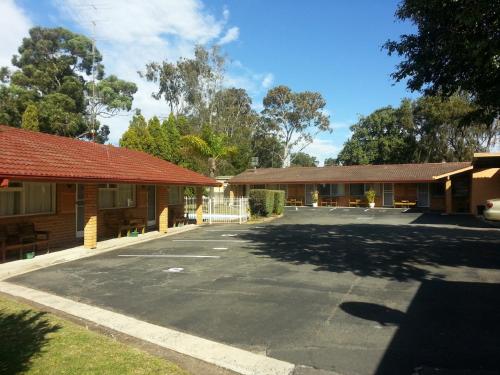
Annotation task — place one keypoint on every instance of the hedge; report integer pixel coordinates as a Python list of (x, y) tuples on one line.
[(279, 201), (261, 202)]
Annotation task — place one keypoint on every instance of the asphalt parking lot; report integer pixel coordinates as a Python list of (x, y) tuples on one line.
[(354, 291)]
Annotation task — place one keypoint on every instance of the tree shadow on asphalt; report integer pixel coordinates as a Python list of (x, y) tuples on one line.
[(449, 328), (23, 335), (396, 252)]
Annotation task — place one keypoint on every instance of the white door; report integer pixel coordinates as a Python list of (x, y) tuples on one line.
[(388, 195), (151, 205), (80, 210), (423, 195)]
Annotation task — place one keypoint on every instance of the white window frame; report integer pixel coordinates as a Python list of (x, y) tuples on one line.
[(115, 188), (23, 204)]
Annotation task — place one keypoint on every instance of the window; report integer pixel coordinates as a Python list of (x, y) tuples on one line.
[(116, 196), (324, 190), (27, 198), (175, 194), (374, 187), (257, 186), (357, 190), (338, 190)]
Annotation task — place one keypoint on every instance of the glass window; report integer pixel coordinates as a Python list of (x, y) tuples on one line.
[(257, 186), (175, 194), (324, 190), (357, 190), (338, 190), (116, 196), (26, 198)]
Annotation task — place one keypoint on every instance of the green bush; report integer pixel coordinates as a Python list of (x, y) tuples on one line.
[(261, 202), (279, 201)]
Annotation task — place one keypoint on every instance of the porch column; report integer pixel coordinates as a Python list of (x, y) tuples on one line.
[(448, 201), (90, 216), (162, 195), (199, 205)]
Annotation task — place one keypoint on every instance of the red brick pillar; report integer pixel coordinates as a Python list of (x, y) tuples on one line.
[(90, 214), (162, 195), (199, 205)]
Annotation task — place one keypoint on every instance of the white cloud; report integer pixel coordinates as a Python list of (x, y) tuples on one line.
[(231, 35), (322, 149), (268, 80), (16, 25), (130, 34)]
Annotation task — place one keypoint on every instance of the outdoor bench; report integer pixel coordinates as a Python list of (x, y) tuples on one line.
[(21, 237), (121, 225), (355, 202), (329, 202), (405, 203)]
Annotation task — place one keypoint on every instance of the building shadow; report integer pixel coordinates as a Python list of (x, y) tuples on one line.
[(461, 220), (23, 334), (396, 252)]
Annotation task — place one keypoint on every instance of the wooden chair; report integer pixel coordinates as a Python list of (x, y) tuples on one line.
[(355, 202), (21, 237)]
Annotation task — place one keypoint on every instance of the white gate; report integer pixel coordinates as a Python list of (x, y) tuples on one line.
[(219, 210)]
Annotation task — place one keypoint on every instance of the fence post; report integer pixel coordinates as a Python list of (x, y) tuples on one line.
[(210, 210), (240, 211)]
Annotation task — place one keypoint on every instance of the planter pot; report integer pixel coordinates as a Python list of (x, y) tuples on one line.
[(372, 204), (134, 234), (30, 255), (315, 204)]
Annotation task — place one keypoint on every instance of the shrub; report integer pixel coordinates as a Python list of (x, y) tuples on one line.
[(261, 202), (279, 201), (370, 196)]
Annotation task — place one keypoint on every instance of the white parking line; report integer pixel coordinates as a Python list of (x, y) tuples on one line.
[(366, 210), (167, 256), (220, 248), (225, 230), (229, 235)]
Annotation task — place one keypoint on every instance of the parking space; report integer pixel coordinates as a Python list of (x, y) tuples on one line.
[(354, 291)]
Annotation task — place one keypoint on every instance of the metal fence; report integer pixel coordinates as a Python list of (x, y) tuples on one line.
[(219, 210)]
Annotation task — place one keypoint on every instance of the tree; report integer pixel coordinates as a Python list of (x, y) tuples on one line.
[(210, 145), (430, 129), (54, 69), (301, 159), (456, 48), (329, 162), (294, 118), (137, 136), (384, 136), (30, 118)]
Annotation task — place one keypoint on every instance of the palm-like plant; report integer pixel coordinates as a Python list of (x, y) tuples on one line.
[(210, 145)]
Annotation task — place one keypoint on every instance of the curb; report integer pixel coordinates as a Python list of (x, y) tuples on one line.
[(221, 355)]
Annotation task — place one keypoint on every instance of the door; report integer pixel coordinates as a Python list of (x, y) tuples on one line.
[(80, 210), (308, 198), (151, 205), (388, 195), (423, 195)]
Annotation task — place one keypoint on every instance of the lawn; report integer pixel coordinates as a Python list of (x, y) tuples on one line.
[(35, 342)]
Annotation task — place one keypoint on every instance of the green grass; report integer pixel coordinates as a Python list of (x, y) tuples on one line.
[(35, 342)]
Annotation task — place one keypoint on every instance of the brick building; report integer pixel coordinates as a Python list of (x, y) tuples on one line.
[(81, 191)]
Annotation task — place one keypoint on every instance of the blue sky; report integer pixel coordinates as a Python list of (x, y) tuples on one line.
[(333, 47)]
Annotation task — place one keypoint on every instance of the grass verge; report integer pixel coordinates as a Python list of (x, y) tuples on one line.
[(36, 342)]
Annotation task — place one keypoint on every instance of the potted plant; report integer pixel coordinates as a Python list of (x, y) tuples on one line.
[(370, 197), (315, 198)]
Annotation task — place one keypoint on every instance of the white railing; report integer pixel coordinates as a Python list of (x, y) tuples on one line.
[(219, 210)]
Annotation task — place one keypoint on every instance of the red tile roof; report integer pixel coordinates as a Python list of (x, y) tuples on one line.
[(32, 155), (348, 174)]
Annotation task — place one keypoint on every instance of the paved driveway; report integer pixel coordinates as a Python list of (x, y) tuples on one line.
[(348, 290)]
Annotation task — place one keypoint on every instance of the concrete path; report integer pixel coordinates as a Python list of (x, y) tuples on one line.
[(228, 357), (19, 267)]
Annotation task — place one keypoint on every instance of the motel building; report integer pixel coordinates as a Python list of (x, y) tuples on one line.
[(460, 187), (60, 192)]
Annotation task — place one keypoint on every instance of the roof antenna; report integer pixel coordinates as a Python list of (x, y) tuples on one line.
[(254, 162)]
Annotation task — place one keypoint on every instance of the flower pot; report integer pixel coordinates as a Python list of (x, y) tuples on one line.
[(134, 234), (30, 255), (315, 204), (371, 204)]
